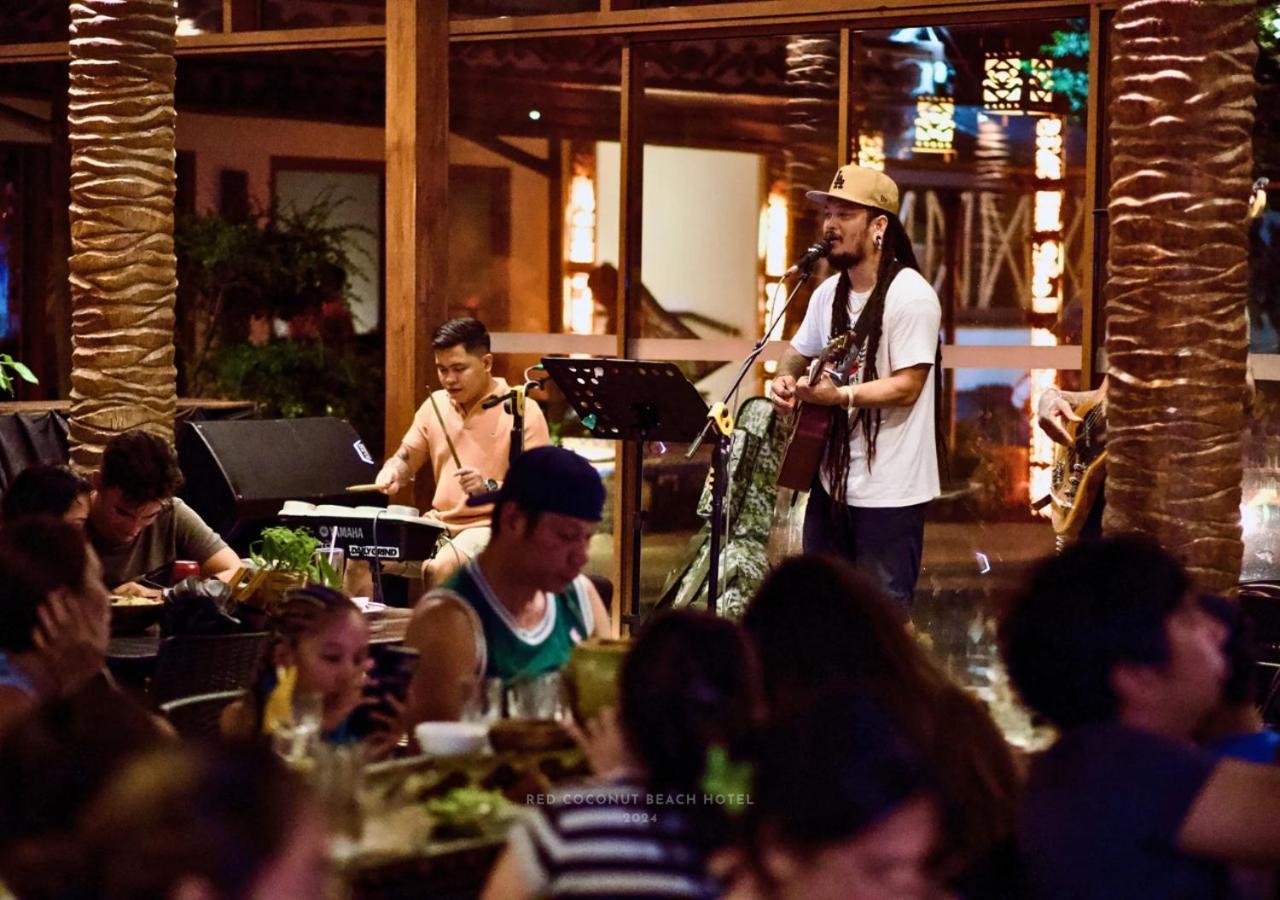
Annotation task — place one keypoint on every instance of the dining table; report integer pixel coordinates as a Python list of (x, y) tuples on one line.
[(385, 627), (433, 862)]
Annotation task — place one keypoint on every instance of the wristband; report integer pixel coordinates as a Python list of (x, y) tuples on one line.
[(850, 396)]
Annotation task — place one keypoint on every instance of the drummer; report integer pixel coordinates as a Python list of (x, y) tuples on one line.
[(138, 526), (468, 446)]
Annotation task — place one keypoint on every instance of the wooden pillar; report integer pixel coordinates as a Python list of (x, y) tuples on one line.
[(417, 185), (241, 15), (627, 314)]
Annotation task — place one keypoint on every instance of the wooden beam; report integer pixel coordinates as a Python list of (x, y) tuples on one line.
[(1095, 223), (845, 101), (340, 37), (417, 201), (241, 15), (765, 14), (510, 152), (762, 15), (559, 174), (627, 314), (22, 117)]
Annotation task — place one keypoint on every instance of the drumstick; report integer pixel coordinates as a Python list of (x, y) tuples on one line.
[(362, 488), (445, 431)]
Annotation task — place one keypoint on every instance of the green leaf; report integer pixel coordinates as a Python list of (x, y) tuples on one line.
[(285, 549), (26, 373)]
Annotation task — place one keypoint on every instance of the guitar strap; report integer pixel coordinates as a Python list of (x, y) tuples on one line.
[(840, 317)]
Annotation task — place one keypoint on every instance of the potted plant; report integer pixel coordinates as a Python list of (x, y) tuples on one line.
[(286, 558)]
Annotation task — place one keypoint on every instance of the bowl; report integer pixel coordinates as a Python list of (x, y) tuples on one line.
[(397, 509), (529, 736), (132, 615), (451, 738), (297, 508)]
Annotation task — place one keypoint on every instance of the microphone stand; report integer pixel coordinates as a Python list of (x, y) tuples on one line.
[(719, 427), (516, 396)]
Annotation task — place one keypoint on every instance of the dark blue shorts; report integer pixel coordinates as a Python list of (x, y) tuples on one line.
[(884, 542)]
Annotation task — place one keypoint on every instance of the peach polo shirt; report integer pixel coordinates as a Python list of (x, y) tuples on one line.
[(483, 441)]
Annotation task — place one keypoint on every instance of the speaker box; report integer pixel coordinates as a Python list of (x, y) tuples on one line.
[(239, 472)]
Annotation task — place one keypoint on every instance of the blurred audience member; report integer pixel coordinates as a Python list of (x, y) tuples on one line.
[(54, 614), (320, 642), (1110, 643), (689, 697), (48, 491), (136, 523), (819, 623), (189, 823), (1234, 727), (52, 763), (842, 808)]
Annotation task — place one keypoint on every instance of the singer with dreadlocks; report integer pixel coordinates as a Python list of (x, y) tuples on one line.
[(880, 468)]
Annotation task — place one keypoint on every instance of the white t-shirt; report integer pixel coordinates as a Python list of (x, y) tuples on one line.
[(905, 469)]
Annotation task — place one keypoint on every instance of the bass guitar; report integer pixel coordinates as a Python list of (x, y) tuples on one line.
[(811, 424), (1079, 468)]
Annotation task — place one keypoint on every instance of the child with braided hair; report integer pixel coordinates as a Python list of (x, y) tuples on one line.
[(320, 645)]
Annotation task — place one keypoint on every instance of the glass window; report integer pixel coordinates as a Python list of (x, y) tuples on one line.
[(525, 179), (1264, 225), (983, 129), (483, 9), (526, 118), (32, 21), (199, 16), (321, 13), (734, 131), (1261, 486)]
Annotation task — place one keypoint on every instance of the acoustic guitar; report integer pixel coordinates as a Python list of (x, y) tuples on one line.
[(1079, 468), (811, 423)]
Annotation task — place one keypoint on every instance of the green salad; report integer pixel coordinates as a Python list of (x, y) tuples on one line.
[(469, 812)]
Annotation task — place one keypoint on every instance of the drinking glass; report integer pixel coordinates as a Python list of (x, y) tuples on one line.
[(538, 697), (482, 699), (336, 559), (296, 741)]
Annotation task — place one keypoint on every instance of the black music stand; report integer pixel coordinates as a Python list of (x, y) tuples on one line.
[(631, 400)]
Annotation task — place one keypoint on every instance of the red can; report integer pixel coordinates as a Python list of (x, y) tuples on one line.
[(183, 568)]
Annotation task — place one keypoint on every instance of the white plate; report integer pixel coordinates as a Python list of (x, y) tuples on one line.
[(368, 606)]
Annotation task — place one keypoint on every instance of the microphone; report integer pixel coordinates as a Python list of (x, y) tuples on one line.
[(491, 402), (812, 255)]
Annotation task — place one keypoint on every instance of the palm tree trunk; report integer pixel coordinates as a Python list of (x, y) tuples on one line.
[(123, 271), (1177, 343)]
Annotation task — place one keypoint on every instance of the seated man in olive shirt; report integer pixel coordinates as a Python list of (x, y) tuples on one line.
[(136, 523)]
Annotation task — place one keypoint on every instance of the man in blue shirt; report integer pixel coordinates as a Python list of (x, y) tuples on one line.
[(1110, 643)]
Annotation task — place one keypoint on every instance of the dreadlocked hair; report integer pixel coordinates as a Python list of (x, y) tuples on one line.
[(896, 254)]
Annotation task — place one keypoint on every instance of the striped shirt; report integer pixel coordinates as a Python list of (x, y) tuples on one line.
[(614, 839)]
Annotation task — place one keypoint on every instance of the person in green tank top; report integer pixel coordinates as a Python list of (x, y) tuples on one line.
[(519, 608)]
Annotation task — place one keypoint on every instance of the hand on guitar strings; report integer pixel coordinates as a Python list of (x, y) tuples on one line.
[(823, 392), (1051, 412), (782, 393)]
